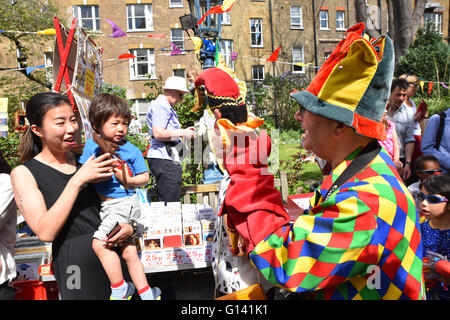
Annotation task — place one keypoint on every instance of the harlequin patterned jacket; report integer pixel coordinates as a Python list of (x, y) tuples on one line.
[(364, 242)]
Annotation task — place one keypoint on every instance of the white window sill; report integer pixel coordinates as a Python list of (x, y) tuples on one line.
[(296, 28), (341, 29), (325, 29), (253, 46), (141, 30), (175, 6)]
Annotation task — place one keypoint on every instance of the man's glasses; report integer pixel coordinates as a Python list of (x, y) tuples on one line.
[(432, 198), (431, 171)]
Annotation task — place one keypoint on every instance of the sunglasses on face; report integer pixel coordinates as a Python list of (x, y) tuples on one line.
[(431, 171), (432, 198)]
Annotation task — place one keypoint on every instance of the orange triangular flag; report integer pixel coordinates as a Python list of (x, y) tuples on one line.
[(274, 56), (430, 86), (225, 7), (126, 56)]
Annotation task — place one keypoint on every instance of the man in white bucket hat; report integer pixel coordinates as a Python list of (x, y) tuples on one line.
[(163, 156)]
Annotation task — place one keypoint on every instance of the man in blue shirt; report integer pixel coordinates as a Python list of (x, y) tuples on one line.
[(429, 140), (165, 129)]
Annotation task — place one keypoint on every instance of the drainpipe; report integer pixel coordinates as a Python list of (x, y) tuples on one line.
[(271, 33), (316, 60)]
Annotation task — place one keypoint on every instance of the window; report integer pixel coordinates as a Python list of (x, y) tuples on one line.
[(226, 48), (88, 17), (296, 17), (298, 57), (226, 18), (435, 19), (140, 17), (257, 74), (179, 73), (323, 18), (340, 20), (326, 54), (175, 3), (177, 38), (256, 35), (48, 58), (140, 107), (143, 64)]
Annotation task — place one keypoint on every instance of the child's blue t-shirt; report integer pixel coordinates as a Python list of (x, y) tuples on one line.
[(112, 188)]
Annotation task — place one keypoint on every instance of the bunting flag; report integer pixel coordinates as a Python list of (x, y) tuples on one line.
[(47, 32), (421, 84), (225, 7), (156, 36), (443, 84), (234, 55), (430, 86), (300, 64), (175, 49), (197, 43), (117, 32), (126, 56), (30, 69), (274, 56)]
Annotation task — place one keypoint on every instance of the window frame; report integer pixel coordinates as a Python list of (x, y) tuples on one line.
[(254, 80), (327, 20), (225, 53), (178, 43), (296, 15), (76, 10), (436, 19), (343, 20), (148, 10), (261, 33), (301, 60), (134, 63), (171, 5)]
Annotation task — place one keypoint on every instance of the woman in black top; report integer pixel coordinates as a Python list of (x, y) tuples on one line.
[(54, 194)]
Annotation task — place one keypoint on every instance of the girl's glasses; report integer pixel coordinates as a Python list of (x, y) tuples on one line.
[(432, 198), (431, 171)]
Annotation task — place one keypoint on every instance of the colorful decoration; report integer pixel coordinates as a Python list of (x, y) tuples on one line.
[(225, 7), (421, 84), (430, 86), (274, 56), (47, 32), (117, 32), (175, 49), (30, 69), (234, 56), (126, 56)]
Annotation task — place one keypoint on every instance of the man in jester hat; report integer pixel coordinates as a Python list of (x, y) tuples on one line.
[(360, 239)]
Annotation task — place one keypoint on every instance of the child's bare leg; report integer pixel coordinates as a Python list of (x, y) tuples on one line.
[(135, 267), (109, 260)]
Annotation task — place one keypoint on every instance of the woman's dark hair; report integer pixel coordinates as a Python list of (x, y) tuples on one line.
[(37, 107), (236, 114), (104, 106), (4, 165), (437, 184)]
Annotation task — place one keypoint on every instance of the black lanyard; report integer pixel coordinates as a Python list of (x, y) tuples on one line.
[(367, 154)]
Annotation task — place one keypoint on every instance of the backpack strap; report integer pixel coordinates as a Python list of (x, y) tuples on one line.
[(440, 130)]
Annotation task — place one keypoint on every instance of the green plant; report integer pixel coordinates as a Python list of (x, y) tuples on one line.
[(428, 58), (9, 146)]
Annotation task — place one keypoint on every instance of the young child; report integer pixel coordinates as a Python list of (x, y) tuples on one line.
[(109, 116), (391, 142), (434, 205), (425, 165)]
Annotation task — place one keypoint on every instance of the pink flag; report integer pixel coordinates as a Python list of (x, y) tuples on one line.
[(117, 32), (175, 49)]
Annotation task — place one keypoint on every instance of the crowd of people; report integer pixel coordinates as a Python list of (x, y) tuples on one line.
[(382, 206)]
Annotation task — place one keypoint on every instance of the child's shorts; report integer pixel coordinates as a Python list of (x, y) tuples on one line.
[(117, 210)]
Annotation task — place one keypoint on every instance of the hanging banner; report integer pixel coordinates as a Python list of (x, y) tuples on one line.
[(3, 117)]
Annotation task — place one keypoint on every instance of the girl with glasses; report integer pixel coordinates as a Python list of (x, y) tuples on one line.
[(435, 207), (425, 166)]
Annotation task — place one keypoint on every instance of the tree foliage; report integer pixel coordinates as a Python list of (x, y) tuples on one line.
[(427, 58)]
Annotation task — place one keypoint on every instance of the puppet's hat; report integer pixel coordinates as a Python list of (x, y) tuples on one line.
[(221, 89), (353, 84)]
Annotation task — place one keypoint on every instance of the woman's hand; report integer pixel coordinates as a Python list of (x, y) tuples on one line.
[(95, 170), (125, 232)]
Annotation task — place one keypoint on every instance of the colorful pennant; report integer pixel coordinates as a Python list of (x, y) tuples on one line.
[(430, 86), (126, 56), (225, 7), (117, 32), (175, 49), (274, 56)]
